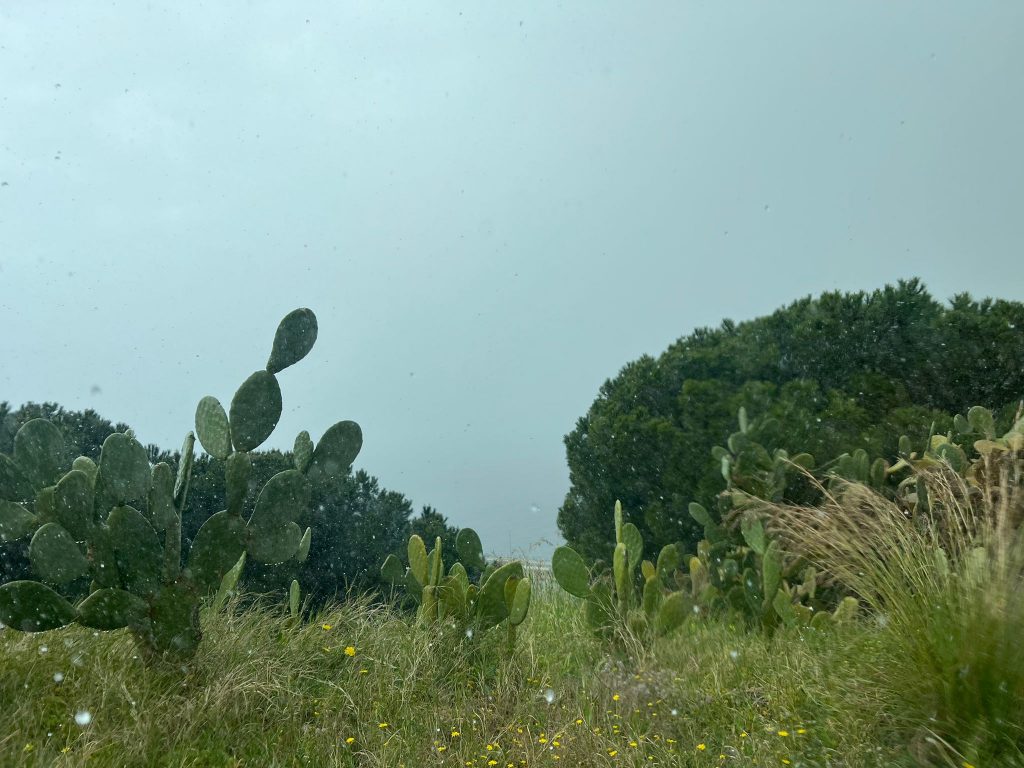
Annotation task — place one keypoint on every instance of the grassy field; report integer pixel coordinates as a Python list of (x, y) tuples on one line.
[(361, 685)]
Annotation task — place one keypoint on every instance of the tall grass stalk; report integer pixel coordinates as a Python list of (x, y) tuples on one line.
[(947, 588)]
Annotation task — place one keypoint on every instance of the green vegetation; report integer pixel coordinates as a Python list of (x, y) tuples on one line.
[(616, 604), (454, 602), (361, 685), (828, 375), (115, 525), (866, 610)]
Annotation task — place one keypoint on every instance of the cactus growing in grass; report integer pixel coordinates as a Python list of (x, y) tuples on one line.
[(502, 594), (115, 525), (651, 609)]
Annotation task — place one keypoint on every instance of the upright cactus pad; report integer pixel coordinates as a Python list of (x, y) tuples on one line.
[(295, 336), (255, 411), (213, 428), (571, 572)]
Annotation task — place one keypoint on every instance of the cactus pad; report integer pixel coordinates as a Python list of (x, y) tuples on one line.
[(255, 411), (302, 451), (29, 606), (295, 336), (570, 572), (124, 475), (55, 557), (215, 549), (108, 609), (336, 451), (14, 485), (16, 522), (471, 551), (137, 550), (212, 428), (39, 452)]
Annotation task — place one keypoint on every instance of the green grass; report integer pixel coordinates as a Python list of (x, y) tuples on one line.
[(262, 693)]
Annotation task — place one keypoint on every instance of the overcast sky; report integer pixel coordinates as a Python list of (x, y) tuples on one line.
[(491, 207)]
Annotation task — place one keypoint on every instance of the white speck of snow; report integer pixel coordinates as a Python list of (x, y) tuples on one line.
[(58, 677), (83, 717)]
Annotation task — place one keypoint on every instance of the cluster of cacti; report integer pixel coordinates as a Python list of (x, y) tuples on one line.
[(638, 598), (738, 567), (747, 465), (502, 593), (116, 525), (745, 572), (993, 458)]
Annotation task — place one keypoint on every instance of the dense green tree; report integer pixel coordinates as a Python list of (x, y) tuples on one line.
[(836, 373)]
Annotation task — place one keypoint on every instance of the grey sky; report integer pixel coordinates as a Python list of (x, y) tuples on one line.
[(491, 207)]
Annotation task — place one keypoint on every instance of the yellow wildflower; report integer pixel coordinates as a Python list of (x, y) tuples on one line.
[(350, 650)]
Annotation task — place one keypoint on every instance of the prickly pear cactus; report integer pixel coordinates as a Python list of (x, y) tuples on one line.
[(644, 604), (114, 526), (501, 596)]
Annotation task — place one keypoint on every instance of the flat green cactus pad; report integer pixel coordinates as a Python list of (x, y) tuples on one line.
[(302, 451), (73, 504), (470, 549), (236, 479), (124, 475), (634, 544), (571, 572), (29, 606), (304, 543), (39, 452), (55, 557), (392, 570), (255, 410), (418, 562), (520, 604), (296, 335), (172, 630), (336, 451), (216, 547), (668, 561), (108, 609), (161, 497), (273, 535), (87, 465), (16, 522), (14, 484), (492, 606), (137, 550), (676, 609), (212, 428)]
